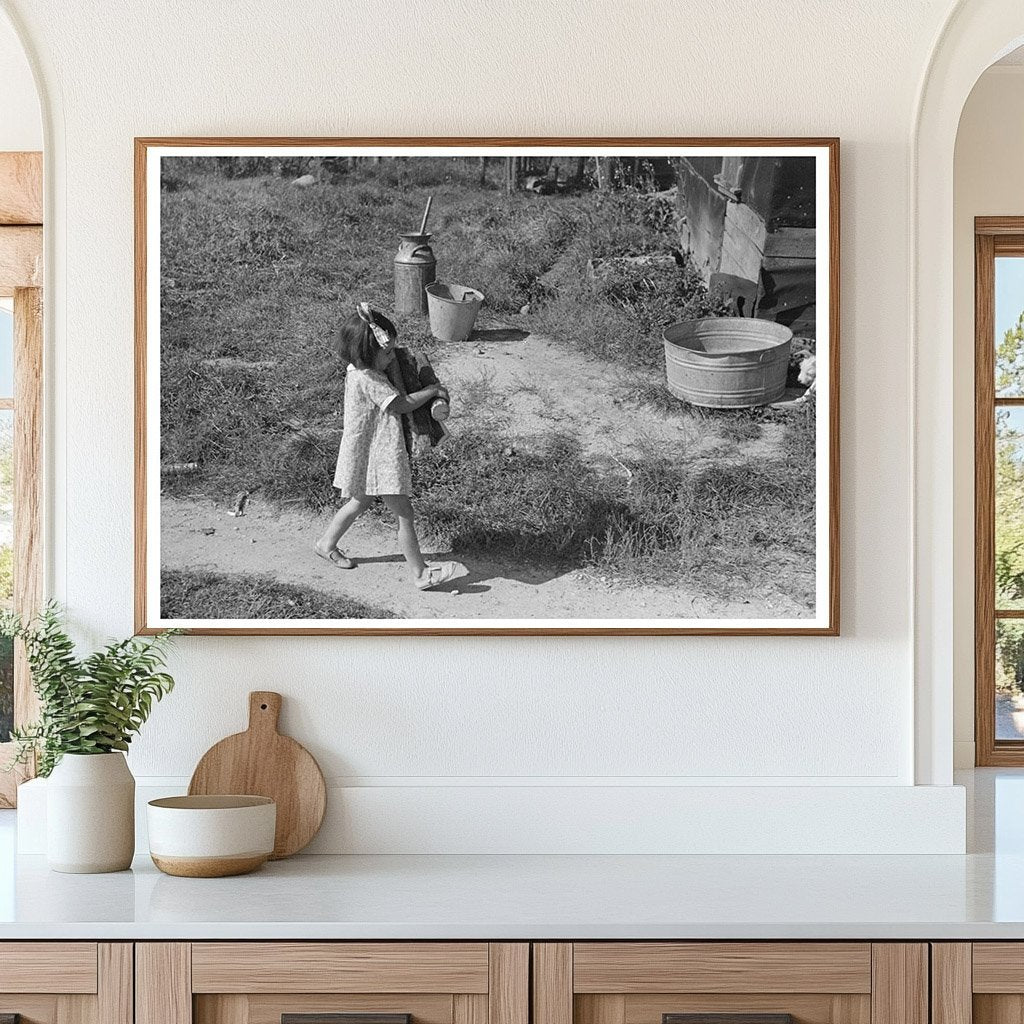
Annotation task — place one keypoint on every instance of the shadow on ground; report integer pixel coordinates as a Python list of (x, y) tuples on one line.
[(480, 573)]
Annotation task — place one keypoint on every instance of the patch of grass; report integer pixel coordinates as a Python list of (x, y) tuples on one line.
[(729, 530), (620, 316), (480, 398), (275, 429), (302, 472), (535, 498), (652, 391), (211, 595), (739, 426), (733, 530)]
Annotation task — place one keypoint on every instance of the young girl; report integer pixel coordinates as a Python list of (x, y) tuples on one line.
[(373, 461)]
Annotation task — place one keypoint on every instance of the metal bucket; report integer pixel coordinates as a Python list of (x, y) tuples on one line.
[(727, 363), (453, 310)]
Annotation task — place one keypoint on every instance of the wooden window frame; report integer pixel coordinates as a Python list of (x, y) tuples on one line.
[(21, 278), (993, 237)]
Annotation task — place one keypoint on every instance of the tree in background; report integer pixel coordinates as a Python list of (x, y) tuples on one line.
[(1009, 510), (1010, 361)]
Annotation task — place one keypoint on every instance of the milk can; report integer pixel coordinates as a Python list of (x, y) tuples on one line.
[(415, 268)]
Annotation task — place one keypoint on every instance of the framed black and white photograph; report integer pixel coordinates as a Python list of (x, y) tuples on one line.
[(515, 386)]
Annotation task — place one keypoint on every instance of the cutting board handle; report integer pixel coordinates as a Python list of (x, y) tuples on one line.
[(264, 710)]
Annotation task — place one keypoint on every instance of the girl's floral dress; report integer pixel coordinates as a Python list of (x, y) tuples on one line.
[(372, 458)]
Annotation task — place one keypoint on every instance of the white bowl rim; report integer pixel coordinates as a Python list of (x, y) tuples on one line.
[(212, 802)]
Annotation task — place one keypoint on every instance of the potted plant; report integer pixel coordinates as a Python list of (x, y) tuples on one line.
[(89, 710)]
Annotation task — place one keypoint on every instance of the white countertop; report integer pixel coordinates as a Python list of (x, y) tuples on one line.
[(517, 897), (977, 896)]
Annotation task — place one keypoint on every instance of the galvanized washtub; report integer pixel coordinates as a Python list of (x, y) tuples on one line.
[(727, 362)]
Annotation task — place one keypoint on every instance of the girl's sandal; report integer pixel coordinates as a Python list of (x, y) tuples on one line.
[(442, 572), (339, 558)]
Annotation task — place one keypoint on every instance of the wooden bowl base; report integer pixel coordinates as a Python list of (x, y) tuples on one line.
[(209, 867)]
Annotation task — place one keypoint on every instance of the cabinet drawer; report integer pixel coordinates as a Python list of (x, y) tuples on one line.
[(998, 967), (634, 967), (340, 967), (64, 967), (730, 983), (981, 982), (332, 983)]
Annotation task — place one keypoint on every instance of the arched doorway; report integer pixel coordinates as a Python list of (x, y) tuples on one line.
[(977, 33)]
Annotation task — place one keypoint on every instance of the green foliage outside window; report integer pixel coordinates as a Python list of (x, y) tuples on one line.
[(1009, 509)]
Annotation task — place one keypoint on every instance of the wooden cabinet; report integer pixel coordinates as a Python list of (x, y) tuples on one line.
[(494, 983), (306, 982), (66, 982), (758, 982), (978, 983)]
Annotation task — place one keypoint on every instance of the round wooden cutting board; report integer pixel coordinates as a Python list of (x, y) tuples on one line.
[(262, 762)]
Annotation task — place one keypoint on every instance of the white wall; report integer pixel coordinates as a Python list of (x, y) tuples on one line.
[(21, 126), (988, 181), (434, 715)]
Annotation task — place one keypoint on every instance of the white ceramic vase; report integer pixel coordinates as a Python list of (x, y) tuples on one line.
[(90, 814)]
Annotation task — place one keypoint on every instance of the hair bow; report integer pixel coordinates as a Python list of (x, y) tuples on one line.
[(366, 315)]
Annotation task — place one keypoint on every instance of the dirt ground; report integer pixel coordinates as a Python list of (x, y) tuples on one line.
[(281, 544), (493, 379), (502, 364)]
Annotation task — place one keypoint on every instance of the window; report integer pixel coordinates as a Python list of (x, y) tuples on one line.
[(999, 490), (21, 321), (21, 374)]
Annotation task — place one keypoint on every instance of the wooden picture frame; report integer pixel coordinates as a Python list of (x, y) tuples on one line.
[(149, 151)]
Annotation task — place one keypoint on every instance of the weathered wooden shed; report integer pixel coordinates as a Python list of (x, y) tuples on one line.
[(749, 223)]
